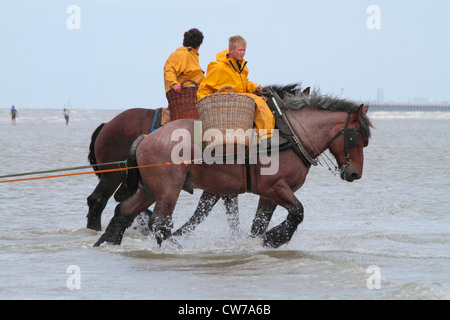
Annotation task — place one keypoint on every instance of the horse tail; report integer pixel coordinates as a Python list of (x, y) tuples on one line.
[(133, 175), (91, 156)]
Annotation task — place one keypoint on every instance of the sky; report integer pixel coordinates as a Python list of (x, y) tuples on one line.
[(109, 54)]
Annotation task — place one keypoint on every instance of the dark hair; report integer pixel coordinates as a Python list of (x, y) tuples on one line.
[(193, 38)]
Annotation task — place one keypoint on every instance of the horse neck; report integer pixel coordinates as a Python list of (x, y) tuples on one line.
[(315, 127)]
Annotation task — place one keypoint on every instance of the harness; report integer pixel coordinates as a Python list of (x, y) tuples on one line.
[(351, 137), (277, 106), (156, 120), (282, 123), (291, 139)]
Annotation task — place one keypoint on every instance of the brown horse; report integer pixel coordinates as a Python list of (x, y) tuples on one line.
[(320, 122), (111, 143)]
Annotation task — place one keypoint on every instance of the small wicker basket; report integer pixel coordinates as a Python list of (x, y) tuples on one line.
[(224, 111), (183, 105)]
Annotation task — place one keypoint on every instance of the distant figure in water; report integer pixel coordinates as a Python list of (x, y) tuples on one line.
[(66, 116), (14, 114)]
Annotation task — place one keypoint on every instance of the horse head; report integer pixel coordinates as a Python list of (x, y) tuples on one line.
[(348, 144)]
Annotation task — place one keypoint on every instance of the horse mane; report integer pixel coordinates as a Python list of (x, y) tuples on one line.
[(287, 90), (295, 100)]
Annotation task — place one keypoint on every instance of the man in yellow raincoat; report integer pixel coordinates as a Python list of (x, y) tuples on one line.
[(230, 69), (184, 63)]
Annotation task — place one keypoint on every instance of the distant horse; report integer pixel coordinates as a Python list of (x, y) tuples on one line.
[(320, 122)]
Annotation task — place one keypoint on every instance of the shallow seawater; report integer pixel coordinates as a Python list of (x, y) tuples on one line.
[(395, 220)]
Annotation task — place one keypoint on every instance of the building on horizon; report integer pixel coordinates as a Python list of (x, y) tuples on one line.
[(380, 95)]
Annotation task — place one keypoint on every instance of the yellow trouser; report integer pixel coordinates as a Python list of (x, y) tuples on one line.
[(264, 118)]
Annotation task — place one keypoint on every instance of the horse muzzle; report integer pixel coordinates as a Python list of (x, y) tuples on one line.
[(350, 173)]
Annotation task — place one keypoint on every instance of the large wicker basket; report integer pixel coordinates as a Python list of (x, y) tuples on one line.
[(224, 111), (183, 105)]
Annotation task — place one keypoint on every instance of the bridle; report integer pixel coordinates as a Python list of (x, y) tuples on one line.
[(351, 135), (351, 139)]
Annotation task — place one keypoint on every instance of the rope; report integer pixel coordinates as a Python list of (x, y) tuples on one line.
[(91, 172), (58, 170)]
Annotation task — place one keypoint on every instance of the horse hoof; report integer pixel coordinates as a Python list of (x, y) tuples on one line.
[(94, 224), (162, 234), (109, 238), (99, 242), (273, 240)]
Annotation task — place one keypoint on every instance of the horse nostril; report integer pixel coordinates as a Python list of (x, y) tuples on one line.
[(355, 176)]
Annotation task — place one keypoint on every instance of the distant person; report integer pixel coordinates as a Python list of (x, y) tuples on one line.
[(66, 116), (14, 115)]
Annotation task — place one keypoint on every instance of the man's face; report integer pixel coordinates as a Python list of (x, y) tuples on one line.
[(238, 53)]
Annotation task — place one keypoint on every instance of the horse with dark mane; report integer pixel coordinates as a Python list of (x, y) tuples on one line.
[(319, 122), (111, 142)]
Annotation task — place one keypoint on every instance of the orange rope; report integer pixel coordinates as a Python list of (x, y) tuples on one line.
[(99, 171)]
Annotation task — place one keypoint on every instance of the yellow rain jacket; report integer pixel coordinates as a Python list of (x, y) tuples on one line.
[(225, 71), (181, 65)]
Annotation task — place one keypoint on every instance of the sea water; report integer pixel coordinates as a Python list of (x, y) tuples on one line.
[(385, 236)]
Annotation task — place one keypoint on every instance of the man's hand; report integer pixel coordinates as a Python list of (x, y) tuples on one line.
[(177, 87), (258, 91)]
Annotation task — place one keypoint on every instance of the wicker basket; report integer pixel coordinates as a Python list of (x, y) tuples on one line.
[(183, 105), (224, 111)]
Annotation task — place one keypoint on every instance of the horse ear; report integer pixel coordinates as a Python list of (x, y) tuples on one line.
[(359, 111), (306, 91), (365, 109)]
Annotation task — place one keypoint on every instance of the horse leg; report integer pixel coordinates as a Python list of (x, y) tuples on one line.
[(123, 193), (124, 215), (264, 213), (205, 205), (232, 210), (161, 220), (283, 233), (97, 202)]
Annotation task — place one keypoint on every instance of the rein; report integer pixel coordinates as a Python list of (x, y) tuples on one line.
[(282, 122), (351, 137)]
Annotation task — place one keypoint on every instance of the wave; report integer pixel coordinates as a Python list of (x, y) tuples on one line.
[(420, 115), (56, 116)]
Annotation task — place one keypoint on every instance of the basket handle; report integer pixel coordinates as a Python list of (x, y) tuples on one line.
[(189, 80), (226, 87)]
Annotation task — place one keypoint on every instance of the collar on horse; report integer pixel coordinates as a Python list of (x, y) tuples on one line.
[(282, 123)]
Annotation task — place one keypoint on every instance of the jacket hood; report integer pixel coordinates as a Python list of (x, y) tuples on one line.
[(223, 57)]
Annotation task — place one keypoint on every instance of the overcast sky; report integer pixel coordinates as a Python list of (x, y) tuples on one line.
[(108, 54)]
